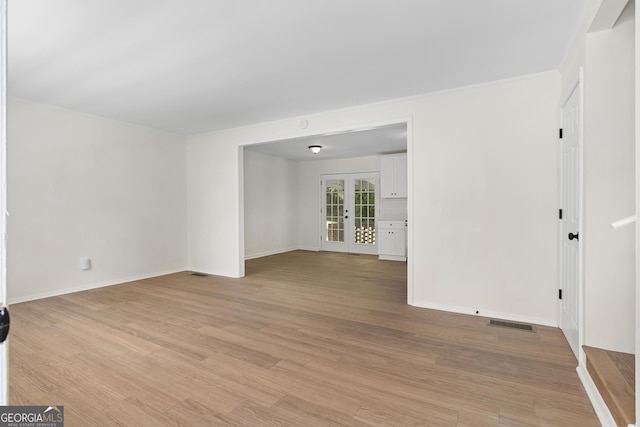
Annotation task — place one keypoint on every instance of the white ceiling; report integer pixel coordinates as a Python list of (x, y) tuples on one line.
[(365, 142), (192, 66)]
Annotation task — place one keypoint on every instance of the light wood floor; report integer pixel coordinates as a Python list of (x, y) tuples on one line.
[(306, 339)]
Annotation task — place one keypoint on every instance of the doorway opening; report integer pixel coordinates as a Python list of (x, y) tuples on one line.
[(282, 206)]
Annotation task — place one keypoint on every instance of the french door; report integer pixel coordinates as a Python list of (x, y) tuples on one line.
[(350, 205)]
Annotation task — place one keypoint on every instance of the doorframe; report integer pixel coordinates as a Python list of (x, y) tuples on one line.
[(304, 132), (4, 347), (577, 86)]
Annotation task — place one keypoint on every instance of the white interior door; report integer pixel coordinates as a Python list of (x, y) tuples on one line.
[(350, 205), (570, 248)]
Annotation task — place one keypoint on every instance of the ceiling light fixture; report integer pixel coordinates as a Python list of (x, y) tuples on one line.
[(315, 149)]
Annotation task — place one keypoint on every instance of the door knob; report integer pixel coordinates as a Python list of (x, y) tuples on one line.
[(5, 323), (573, 236)]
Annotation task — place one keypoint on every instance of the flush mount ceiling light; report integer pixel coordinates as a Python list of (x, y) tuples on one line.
[(315, 149)]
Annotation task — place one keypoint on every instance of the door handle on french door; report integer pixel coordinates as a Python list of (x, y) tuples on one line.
[(573, 236)]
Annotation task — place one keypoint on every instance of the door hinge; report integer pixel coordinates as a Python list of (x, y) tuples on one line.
[(559, 293), (560, 133), (559, 213)]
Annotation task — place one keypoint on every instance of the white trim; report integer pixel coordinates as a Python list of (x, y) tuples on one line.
[(392, 258), (4, 348), (205, 270), (637, 231), (582, 359), (602, 411), (623, 222), (559, 202), (241, 243), (269, 253), (482, 313), (410, 215), (65, 291)]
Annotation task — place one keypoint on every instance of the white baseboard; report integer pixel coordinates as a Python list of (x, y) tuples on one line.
[(268, 253), (309, 248), (392, 258), (495, 315), (87, 287), (602, 411)]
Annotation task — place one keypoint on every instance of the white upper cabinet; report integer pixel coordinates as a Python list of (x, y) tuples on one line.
[(393, 176)]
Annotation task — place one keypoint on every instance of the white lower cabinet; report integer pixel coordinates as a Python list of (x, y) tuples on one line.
[(392, 240)]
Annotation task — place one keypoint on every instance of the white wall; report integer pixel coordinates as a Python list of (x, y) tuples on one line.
[(309, 173), (215, 227), (282, 201), (576, 53), (80, 185), (610, 186), (482, 182), (270, 205), (485, 186)]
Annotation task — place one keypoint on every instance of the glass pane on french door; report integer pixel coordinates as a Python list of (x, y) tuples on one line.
[(350, 206), (364, 211), (334, 208)]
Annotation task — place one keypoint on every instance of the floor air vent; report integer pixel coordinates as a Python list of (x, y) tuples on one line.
[(512, 325), (199, 274)]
